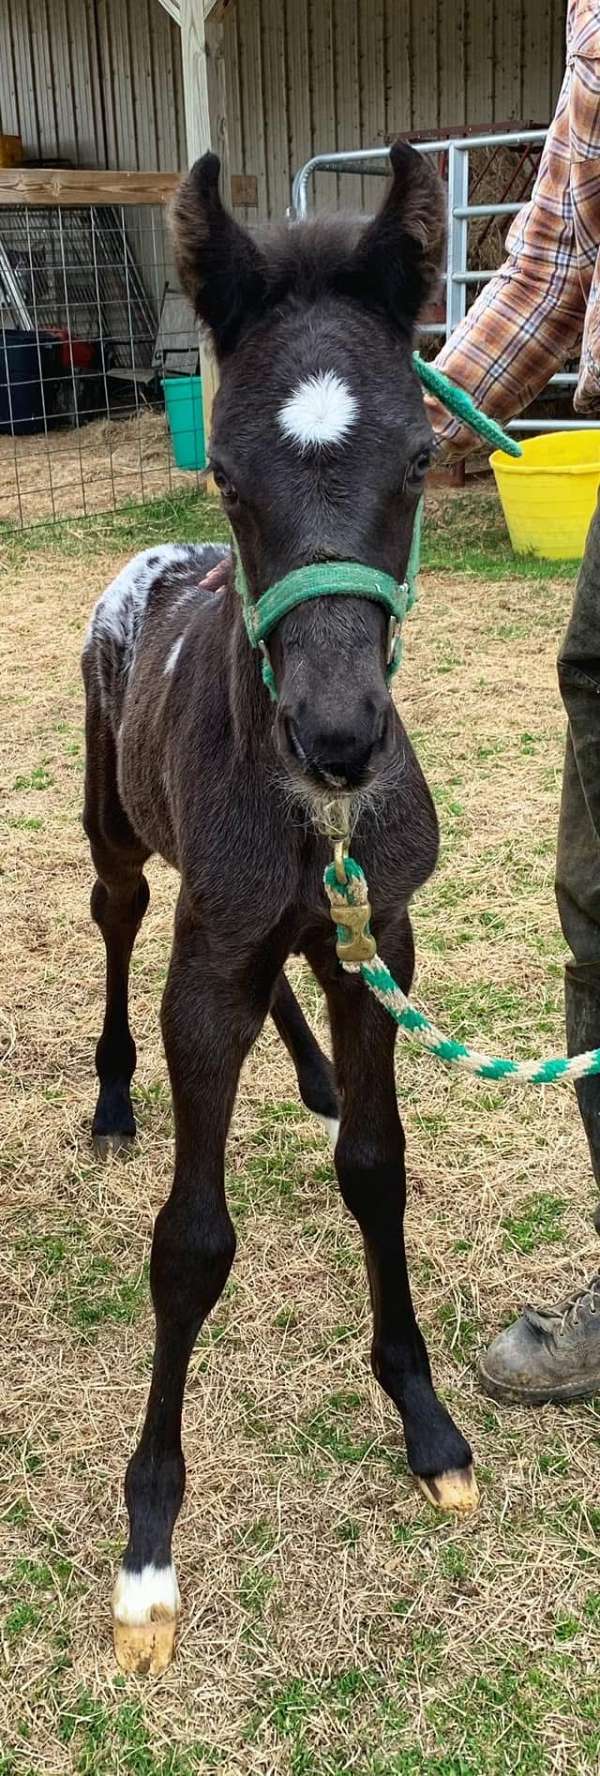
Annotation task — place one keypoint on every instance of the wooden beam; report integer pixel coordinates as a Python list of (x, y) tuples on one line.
[(66, 186), (199, 135)]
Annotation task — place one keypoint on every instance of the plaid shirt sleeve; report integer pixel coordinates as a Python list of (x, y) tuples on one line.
[(532, 314)]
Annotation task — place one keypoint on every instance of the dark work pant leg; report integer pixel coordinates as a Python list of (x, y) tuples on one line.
[(578, 853)]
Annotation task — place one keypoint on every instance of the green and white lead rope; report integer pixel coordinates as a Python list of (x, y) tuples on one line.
[(551, 1071), (460, 404)]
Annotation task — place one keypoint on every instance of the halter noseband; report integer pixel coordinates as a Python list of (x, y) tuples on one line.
[(325, 579)]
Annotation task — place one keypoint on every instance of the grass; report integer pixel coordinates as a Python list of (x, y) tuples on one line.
[(477, 543), (537, 1223), (182, 517), (506, 1718), (333, 1626)]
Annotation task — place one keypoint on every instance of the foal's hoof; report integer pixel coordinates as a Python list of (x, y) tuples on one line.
[(107, 1146), (455, 1490), (145, 1610), (145, 1647)]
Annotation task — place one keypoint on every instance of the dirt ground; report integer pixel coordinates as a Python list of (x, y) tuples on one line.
[(331, 1623)]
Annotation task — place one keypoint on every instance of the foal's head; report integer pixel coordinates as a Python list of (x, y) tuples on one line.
[(320, 441)]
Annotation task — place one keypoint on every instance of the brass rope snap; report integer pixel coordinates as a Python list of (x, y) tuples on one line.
[(355, 942), (340, 853)]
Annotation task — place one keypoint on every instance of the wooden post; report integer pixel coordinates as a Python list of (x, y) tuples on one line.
[(217, 99), (200, 136)]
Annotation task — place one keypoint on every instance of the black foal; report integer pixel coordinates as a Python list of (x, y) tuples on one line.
[(320, 447)]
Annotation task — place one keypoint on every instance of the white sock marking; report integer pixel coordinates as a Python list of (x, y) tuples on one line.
[(136, 1594), (320, 411), (332, 1127), (173, 655)]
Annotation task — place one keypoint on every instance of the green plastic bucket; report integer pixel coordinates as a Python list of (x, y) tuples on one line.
[(183, 401)]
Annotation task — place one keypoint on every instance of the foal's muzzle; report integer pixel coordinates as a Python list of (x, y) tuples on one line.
[(335, 755)]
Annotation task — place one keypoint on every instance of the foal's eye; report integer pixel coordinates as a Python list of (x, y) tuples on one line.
[(417, 469), (226, 488)]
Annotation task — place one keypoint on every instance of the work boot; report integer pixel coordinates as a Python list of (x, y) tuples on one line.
[(550, 1354)]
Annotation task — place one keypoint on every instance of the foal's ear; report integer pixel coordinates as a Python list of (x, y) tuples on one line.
[(398, 260), (221, 268)]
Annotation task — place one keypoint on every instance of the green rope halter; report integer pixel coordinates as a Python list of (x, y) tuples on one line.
[(327, 577), (352, 579)]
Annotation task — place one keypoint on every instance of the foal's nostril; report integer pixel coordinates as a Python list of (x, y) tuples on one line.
[(293, 741), (384, 729), (346, 761)]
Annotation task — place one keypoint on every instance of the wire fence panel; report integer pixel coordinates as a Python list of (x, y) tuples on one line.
[(95, 334)]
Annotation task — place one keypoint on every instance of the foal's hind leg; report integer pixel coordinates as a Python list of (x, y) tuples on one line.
[(119, 900), (209, 1023), (369, 1160), (316, 1076)]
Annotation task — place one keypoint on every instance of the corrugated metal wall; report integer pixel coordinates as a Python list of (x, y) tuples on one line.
[(99, 81), (304, 76)]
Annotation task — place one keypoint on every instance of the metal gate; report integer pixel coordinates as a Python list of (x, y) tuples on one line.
[(460, 274)]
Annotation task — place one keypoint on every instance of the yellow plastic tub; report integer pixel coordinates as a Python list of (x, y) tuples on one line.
[(549, 493)]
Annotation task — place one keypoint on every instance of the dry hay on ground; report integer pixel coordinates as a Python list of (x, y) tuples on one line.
[(71, 473), (331, 1624)]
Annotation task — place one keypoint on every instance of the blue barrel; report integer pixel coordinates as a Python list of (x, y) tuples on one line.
[(183, 401), (26, 361)]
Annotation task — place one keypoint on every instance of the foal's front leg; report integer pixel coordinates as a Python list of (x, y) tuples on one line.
[(208, 1026), (369, 1159)]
